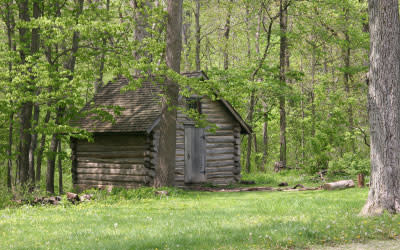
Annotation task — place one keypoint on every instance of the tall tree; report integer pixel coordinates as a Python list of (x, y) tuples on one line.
[(25, 114), (165, 173), (282, 77), (384, 107)]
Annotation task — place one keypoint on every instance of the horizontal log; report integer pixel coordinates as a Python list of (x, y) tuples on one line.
[(116, 171), (82, 187), (218, 145), (215, 151), (119, 139), (101, 148), (339, 185), (219, 175), (219, 157), (119, 178), (219, 163), (179, 178), (179, 172), (111, 183), (220, 169), (118, 161), (180, 164), (180, 152), (219, 139), (220, 133), (109, 165), (111, 155)]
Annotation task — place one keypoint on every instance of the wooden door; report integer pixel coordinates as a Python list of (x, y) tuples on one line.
[(195, 155)]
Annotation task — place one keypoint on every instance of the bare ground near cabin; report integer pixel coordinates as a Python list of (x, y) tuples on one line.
[(369, 245)]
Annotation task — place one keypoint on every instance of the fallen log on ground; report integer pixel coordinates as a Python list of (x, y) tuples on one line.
[(250, 189), (338, 185)]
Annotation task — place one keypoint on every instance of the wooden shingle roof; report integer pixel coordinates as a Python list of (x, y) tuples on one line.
[(141, 108)]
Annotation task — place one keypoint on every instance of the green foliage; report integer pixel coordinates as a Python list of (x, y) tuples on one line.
[(349, 164)]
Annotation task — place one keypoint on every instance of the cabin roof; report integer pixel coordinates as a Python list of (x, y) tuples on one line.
[(141, 108)]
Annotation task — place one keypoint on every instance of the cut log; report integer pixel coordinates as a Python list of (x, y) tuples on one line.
[(339, 185)]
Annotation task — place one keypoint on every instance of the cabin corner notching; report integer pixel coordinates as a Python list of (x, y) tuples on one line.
[(124, 153)]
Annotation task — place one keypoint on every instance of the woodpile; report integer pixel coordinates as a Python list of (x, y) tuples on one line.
[(54, 200)]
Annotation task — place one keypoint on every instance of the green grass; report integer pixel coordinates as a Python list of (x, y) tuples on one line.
[(193, 220)]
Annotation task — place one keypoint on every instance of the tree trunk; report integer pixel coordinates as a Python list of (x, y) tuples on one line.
[(32, 149), (346, 51), (9, 151), (51, 162), (282, 78), (60, 173), (384, 107), (165, 171), (226, 35), (186, 32), (26, 107), (198, 35), (265, 137), (250, 136), (10, 26), (41, 150), (99, 82)]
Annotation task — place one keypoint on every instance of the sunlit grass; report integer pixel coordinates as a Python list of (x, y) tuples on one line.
[(192, 220)]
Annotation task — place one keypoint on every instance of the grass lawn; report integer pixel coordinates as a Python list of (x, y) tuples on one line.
[(193, 220)]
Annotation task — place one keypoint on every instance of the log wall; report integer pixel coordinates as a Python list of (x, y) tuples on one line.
[(123, 160), (223, 146)]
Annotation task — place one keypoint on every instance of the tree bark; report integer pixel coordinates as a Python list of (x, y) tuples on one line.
[(26, 107), (9, 151), (346, 51), (51, 164), (250, 136), (99, 82), (198, 35), (384, 107), (60, 173), (186, 32), (282, 78), (32, 149), (226, 35), (265, 137), (165, 171), (10, 26)]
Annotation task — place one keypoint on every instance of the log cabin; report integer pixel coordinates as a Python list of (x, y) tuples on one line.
[(124, 152)]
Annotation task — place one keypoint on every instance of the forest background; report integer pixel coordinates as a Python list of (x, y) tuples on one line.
[(295, 70)]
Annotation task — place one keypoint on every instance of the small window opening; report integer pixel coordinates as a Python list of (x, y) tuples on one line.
[(194, 103)]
